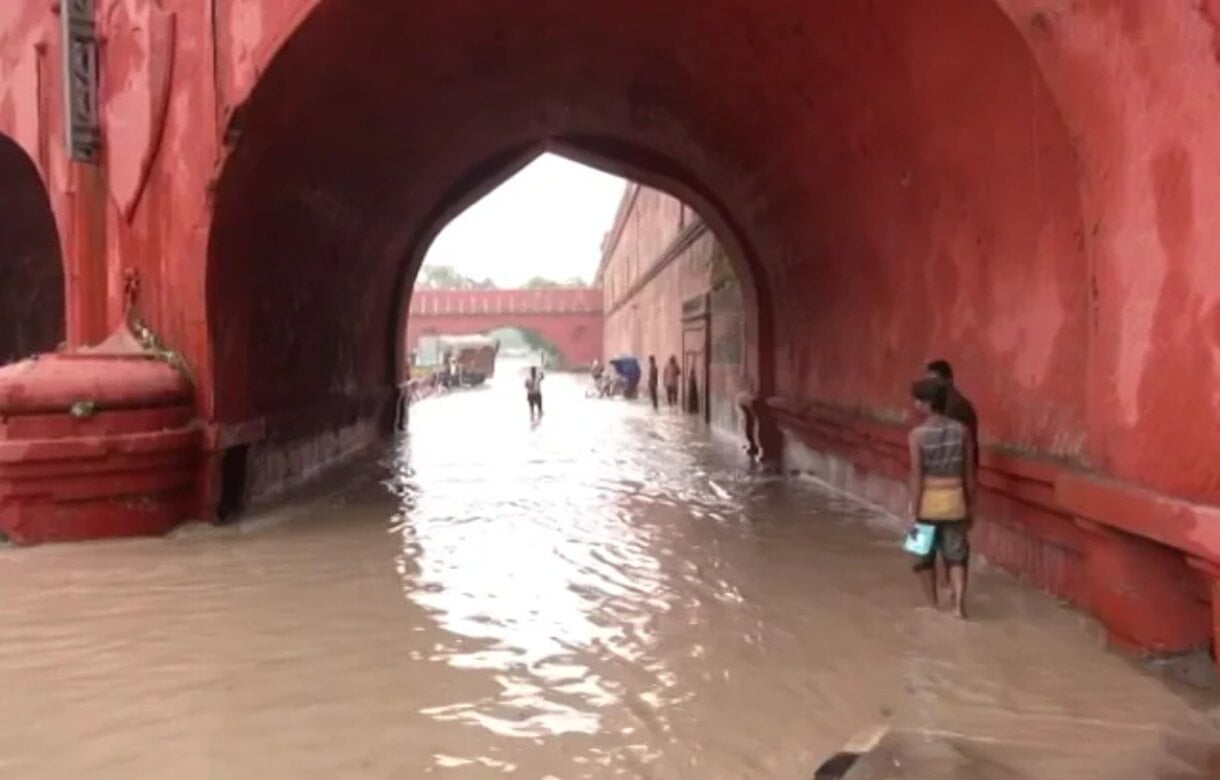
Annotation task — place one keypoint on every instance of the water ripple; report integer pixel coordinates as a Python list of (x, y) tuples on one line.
[(607, 594)]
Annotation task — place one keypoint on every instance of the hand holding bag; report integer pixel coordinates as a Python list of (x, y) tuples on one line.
[(919, 539)]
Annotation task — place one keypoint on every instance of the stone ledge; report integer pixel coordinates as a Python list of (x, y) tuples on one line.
[(1056, 487)]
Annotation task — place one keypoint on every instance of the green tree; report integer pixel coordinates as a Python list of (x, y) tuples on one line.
[(446, 277), (540, 283), (543, 283)]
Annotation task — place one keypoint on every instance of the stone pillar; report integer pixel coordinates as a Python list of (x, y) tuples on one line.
[(85, 257), (1140, 590)]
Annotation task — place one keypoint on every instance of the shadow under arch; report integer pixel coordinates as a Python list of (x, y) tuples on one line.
[(633, 163), (31, 260), (842, 162)]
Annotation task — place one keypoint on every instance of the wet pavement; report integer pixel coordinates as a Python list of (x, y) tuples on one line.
[(610, 593)]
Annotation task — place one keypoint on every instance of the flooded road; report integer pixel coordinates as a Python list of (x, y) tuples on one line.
[(607, 594)]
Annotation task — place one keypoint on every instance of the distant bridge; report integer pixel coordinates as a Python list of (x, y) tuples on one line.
[(569, 319)]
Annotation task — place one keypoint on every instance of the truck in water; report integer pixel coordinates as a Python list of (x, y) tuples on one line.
[(463, 361)]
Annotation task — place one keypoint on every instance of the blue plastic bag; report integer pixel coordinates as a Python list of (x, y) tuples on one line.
[(919, 539)]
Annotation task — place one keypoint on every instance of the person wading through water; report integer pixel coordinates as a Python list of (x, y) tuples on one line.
[(957, 407), (672, 372), (652, 382), (942, 489), (533, 393)]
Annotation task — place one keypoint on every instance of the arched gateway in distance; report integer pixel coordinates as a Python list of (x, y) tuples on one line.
[(570, 320)]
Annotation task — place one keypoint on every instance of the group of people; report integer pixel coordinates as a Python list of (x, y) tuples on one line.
[(943, 484), (609, 383), (656, 376), (670, 376)]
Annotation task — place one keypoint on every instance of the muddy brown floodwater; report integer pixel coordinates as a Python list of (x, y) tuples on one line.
[(608, 594)]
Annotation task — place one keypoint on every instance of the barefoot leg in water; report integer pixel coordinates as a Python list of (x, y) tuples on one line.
[(944, 581), (959, 577)]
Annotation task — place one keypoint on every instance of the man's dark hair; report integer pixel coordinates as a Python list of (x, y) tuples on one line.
[(932, 392), (942, 369)]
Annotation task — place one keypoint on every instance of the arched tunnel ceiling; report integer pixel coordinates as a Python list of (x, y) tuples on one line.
[(848, 143)]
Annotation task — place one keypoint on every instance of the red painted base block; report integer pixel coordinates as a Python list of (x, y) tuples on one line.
[(95, 444), (1211, 572), (1143, 592), (1216, 621), (97, 518), (99, 483)]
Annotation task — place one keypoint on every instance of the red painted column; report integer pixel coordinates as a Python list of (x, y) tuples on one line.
[(122, 464), (1140, 591), (85, 257)]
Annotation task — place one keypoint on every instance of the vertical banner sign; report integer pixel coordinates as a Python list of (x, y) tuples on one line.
[(80, 74)]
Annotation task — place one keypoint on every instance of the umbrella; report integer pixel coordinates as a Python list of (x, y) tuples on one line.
[(628, 368)]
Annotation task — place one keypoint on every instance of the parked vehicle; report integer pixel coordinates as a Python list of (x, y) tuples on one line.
[(462, 361), (475, 358)]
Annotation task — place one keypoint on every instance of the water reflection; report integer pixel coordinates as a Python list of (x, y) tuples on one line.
[(525, 551), (607, 594)]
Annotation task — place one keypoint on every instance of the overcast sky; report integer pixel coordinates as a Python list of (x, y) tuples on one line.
[(548, 220)]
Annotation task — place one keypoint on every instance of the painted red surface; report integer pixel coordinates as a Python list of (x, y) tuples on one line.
[(1131, 557), (570, 320), (1137, 590), (1020, 186), (128, 467), (52, 383), (958, 157), (659, 256)]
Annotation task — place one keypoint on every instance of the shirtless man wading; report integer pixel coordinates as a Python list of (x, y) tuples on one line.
[(533, 392)]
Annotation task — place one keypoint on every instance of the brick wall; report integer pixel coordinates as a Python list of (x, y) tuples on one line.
[(658, 255)]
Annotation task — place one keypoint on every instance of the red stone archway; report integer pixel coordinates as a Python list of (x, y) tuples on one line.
[(31, 264), (1020, 186), (575, 340), (631, 163), (896, 177)]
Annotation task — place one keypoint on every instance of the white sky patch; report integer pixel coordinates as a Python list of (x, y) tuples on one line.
[(547, 221)]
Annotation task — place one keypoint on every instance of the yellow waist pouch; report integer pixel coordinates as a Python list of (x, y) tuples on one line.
[(943, 499)]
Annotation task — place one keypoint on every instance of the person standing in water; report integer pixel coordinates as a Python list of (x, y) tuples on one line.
[(672, 372), (957, 407), (942, 487), (533, 392), (652, 382)]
